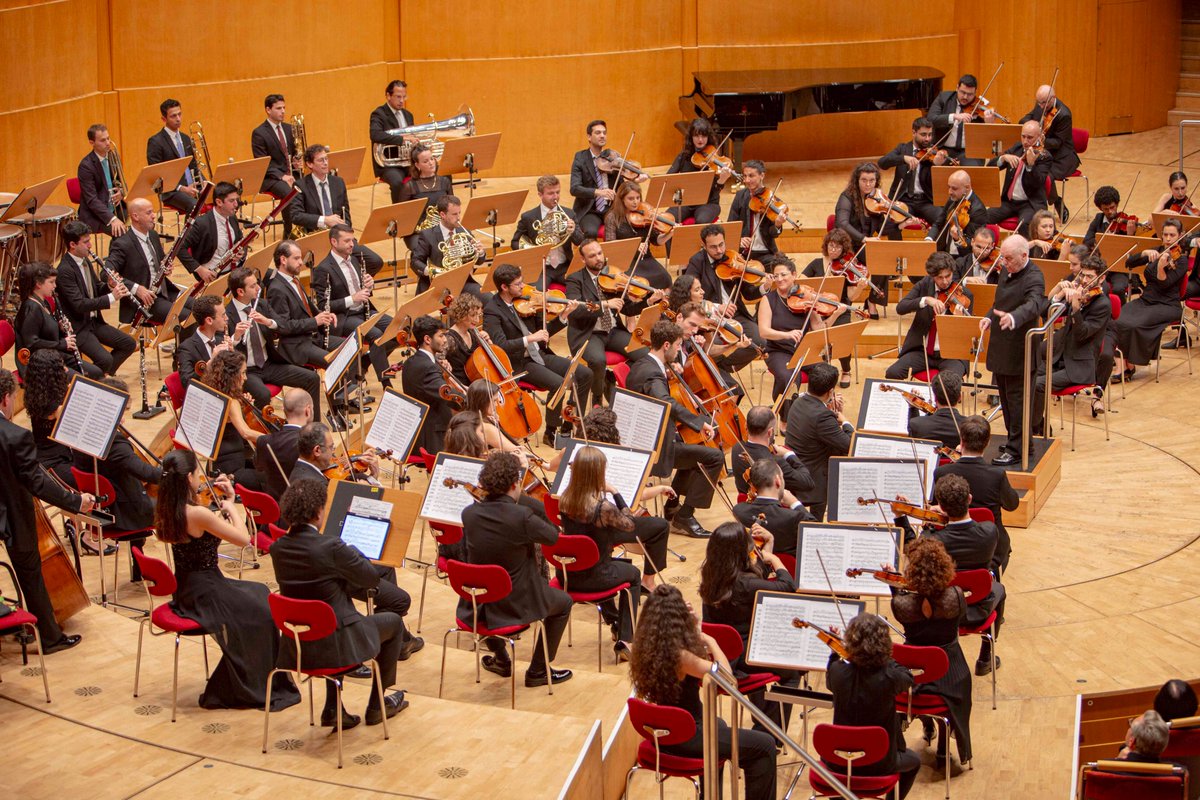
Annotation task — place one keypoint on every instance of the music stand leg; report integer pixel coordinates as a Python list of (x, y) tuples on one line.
[(147, 411), (395, 273)]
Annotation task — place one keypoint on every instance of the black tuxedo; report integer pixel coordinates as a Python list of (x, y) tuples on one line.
[(814, 435), (425, 251), (94, 210), (200, 243), (83, 296), (159, 148), (939, 113), (583, 329), (127, 258), (583, 189), (902, 181), (739, 211), (421, 379), (973, 545), (383, 119), (274, 367), (913, 353), (557, 273), (329, 276), (990, 489), (796, 478), (298, 328), (284, 444), (1059, 139), (1033, 182), (939, 425), (1022, 295), (191, 350), (782, 522), (264, 142), (306, 210), (977, 219)]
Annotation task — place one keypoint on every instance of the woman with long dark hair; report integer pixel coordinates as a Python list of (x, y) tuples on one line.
[(700, 134), (617, 226), (226, 373), (234, 613), (37, 321), (481, 401), (423, 183), (852, 216)]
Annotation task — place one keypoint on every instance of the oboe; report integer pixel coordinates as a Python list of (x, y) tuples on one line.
[(64, 325), (328, 328)]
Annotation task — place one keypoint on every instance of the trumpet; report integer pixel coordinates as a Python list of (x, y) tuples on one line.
[(459, 249), (299, 143), (550, 230), (400, 155), (200, 153)]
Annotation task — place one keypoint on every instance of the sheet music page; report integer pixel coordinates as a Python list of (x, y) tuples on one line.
[(887, 412), (443, 503), (857, 478), (346, 353), (396, 422), (639, 419), (89, 417), (867, 445), (625, 471), (843, 548), (774, 641), (200, 420)]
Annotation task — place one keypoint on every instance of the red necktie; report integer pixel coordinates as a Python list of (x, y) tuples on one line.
[(1012, 187), (282, 141)]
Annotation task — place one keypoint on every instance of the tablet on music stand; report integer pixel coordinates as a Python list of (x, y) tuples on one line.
[(247, 176), (169, 172)]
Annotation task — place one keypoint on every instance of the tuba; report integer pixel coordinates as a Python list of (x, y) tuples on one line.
[(398, 155), (459, 249), (550, 230), (200, 154)]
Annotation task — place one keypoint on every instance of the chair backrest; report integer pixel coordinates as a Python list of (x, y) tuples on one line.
[(726, 637), (276, 533), (995, 229), (73, 191), (675, 724), (8, 336), (572, 553), (261, 507), (93, 484), (1080, 138), (485, 583), (975, 583), (981, 514), (160, 580), (830, 221), (550, 503), (429, 458), (1184, 739), (789, 562), (445, 533), (306, 620), (1111, 780), (834, 742), (927, 664), (1115, 301), (175, 389)]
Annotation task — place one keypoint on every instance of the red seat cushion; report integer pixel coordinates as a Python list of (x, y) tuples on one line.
[(165, 618), (557, 287), (675, 766), (621, 373), (507, 630), (612, 359), (862, 785), (273, 389), (1193, 303), (925, 376), (755, 681), (590, 597), (689, 221), (16, 619), (1072, 390), (987, 623), (329, 671), (527, 386), (1010, 224), (123, 535)]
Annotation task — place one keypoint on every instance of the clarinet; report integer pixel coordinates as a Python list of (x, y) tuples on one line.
[(108, 272), (362, 281), (64, 325), (328, 328)]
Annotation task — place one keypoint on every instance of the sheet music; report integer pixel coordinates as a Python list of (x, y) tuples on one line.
[(396, 422), (852, 478), (368, 535), (639, 419), (775, 642), (625, 471), (201, 419), (887, 412), (443, 503), (868, 445), (346, 352), (89, 417), (844, 547)]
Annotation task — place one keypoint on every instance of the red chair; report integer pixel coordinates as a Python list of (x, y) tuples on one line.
[(981, 514), (160, 582), (480, 584), (1181, 325), (925, 376), (273, 389), (1080, 138), (8, 337), (175, 389), (1115, 301), (842, 747), (74, 193), (927, 664), (730, 642), (789, 562), (20, 618), (550, 503), (658, 726), (619, 366), (428, 459), (264, 511), (1122, 780), (97, 486), (576, 554), (1073, 392), (308, 621), (558, 287), (446, 534), (977, 585), (830, 222)]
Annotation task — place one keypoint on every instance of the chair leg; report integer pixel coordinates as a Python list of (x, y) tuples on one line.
[(992, 639), (546, 654), (599, 639), (442, 679), (137, 663), (267, 709), (379, 689), (512, 646), (338, 714), (204, 645), (1074, 403), (175, 679), (944, 723), (116, 567), (421, 606)]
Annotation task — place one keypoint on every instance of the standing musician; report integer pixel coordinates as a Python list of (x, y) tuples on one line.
[(390, 116), (758, 238), (961, 201), (101, 192), (464, 334), (729, 295), (976, 265), (760, 444), (697, 467), (619, 224), (1055, 118), (83, 295), (592, 184), (274, 139), (426, 251), (852, 215), (929, 299), (424, 184), (21, 480), (38, 322), (948, 113), (549, 191), (600, 331), (169, 144), (698, 139), (213, 234), (1020, 292), (323, 203), (943, 424), (527, 344), (1044, 238), (421, 378), (1026, 165), (1176, 200), (912, 182), (1110, 219), (782, 511), (275, 454), (1144, 319), (817, 429), (226, 373), (137, 256), (783, 328)]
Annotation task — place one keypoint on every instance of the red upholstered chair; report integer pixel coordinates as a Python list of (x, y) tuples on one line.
[(1115, 301), (20, 618), (830, 222), (175, 389), (480, 584), (619, 366), (273, 389), (1123, 780), (600, 233), (308, 621), (926, 376), (981, 514), (659, 726), (98, 485), (74, 193), (842, 748), (1181, 325), (428, 459), (8, 337), (1073, 392), (446, 534), (730, 642), (575, 554), (160, 582), (550, 503), (557, 287), (264, 511), (789, 562), (976, 585), (1080, 138), (927, 664)]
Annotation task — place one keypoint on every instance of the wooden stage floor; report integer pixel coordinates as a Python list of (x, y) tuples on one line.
[(1102, 596)]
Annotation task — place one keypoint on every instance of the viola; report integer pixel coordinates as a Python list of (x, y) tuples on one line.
[(451, 391), (645, 214), (708, 158), (981, 104), (901, 508), (930, 153), (949, 453), (629, 170), (1127, 224), (475, 491), (849, 268), (761, 202), (915, 400), (1184, 207), (962, 218), (734, 266), (614, 281), (894, 579), (517, 412), (877, 203), (834, 641), (804, 299)]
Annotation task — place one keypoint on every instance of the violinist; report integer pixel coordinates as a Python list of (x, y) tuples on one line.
[(38, 324), (275, 453), (757, 239), (697, 144), (549, 190), (729, 295), (817, 429), (783, 328), (950, 111), (1055, 118), (693, 320), (1144, 319), (760, 444), (481, 401), (317, 457), (944, 423), (1111, 220), (84, 295), (1177, 200), (781, 511), (465, 333), (626, 219), (226, 373), (592, 185), (1044, 238), (929, 299), (852, 216), (426, 251), (526, 343), (423, 183), (977, 264), (696, 466), (912, 182), (422, 378), (836, 255), (1026, 165), (963, 215)]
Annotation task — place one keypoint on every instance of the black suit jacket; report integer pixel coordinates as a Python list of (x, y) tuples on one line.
[(296, 324), (1022, 295), (37, 329), (425, 251), (868, 698), (160, 148), (82, 310), (990, 489), (263, 142), (978, 218), (647, 377), (782, 522), (1060, 140), (127, 258), (303, 471), (191, 350), (939, 425), (939, 113), (421, 379), (914, 340), (700, 267), (583, 183), (93, 195), (269, 335), (1077, 342), (814, 435), (739, 211), (21, 479), (305, 210), (500, 322), (796, 478), (1033, 179), (200, 243), (902, 177), (581, 322), (525, 230), (971, 544), (383, 119), (328, 275), (132, 509), (284, 443)]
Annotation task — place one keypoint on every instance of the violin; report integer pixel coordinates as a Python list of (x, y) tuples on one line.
[(804, 299), (877, 203), (729, 331), (451, 391), (347, 469), (553, 302), (834, 641), (949, 453), (615, 281), (1061, 240), (956, 300), (644, 214), (1127, 224), (930, 153), (733, 267), (981, 104), (1184, 207), (709, 158), (475, 491), (761, 202), (849, 268), (958, 227), (915, 400), (894, 579), (902, 509), (211, 495), (629, 170), (516, 411)]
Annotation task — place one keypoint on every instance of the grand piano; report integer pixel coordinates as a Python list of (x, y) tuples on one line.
[(745, 102)]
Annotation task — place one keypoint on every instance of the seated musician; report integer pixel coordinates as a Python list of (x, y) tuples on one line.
[(1045, 240), (39, 319), (480, 400), (1144, 319), (226, 372), (169, 144), (213, 235), (323, 203), (758, 234), (977, 265), (137, 256), (912, 182), (549, 213), (317, 456), (782, 512), (600, 331), (1177, 200), (274, 139), (1107, 355), (696, 466), (783, 328), (84, 295), (390, 116), (310, 566), (699, 135), (760, 444), (619, 225), (422, 378), (525, 342), (209, 338), (464, 334), (426, 254), (729, 295), (836, 255), (852, 215), (697, 328), (499, 530), (1026, 165), (1059, 140), (1111, 220), (944, 423), (102, 204), (424, 184), (592, 185), (948, 231), (949, 116), (817, 429), (921, 350), (275, 453)]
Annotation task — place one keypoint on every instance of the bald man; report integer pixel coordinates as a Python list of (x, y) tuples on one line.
[(1025, 173), (1059, 140), (275, 454), (1020, 293), (946, 232), (136, 256)]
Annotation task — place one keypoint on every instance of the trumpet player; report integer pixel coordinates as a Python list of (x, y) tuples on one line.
[(169, 144), (390, 116), (550, 221), (84, 295), (274, 138), (102, 185), (427, 251), (324, 203)]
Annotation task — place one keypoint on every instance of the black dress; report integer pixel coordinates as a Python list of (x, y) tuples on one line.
[(703, 213), (237, 617), (941, 630), (648, 268), (606, 527), (1143, 320), (779, 353)]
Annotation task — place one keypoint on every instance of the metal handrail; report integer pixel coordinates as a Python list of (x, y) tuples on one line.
[(1055, 311), (1183, 122), (719, 680)]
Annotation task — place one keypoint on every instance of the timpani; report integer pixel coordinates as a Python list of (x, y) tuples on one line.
[(43, 232)]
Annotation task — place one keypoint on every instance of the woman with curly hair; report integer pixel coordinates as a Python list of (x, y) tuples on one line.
[(227, 374), (686, 289), (671, 656), (864, 693), (465, 316), (851, 215), (931, 615)]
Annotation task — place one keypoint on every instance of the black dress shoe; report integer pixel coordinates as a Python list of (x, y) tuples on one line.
[(1005, 459), (393, 704), (548, 439), (411, 646), (348, 720), (533, 679), (65, 643), (984, 666), (361, 672), (688, 526), (498, 667)]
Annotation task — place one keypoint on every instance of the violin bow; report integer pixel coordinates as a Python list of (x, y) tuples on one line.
[(836, 602), (983, 95), (1042, 119), (952, 217), (1124, 205), (791, 380)]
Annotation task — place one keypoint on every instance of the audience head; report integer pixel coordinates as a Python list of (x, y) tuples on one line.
[(1175, 699), (1148, 734)]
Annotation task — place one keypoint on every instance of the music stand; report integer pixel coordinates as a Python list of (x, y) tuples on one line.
[(958, 338), (1053, 271), (1113, 248), (887, 257), (347, 164), (620, 253), (470, 154), (1190, 224), (836, 342), (247, 176), (567, 385), (989, 139), (172, 324), (30, 199), (493, 210), (680, 189), (528, 260), (427, 301), (985, 182), (686, 238), (393, 222), (155, 179)]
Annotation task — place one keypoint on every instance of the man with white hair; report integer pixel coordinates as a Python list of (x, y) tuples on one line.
[(1026, 166), (1019, 296)]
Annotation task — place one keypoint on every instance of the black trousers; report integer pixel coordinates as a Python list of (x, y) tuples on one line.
[(279, 190), (376, 354), (653, 533), (553, 625), (1023, 210), (692, 462), (180, 201), (282, 374), (394, 178), (593, 355), (590, 223), (777, 365), (914, 360), (96, 340), (75, 363), (1012, 400), (549, 376), (756, 756), (389, 598), (617, 612), (390, 627), (922, 208), (28, 566)]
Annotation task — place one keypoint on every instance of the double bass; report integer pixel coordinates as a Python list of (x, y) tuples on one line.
[(66, 591)]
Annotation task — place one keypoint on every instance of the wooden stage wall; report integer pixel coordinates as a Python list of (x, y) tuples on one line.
[(539, 71)]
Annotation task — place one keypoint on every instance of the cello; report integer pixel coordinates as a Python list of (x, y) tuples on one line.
[(518, 414), (717, 398)]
